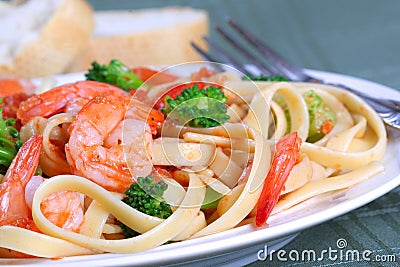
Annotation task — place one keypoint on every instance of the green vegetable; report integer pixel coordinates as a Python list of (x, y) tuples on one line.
[(211, 199), (319, 114), (115, 73), (10, 141), (128, 232), (198, 108), (272, 78), (147, 196)]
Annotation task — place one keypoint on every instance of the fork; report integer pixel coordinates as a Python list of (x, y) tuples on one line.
[(275, 64)]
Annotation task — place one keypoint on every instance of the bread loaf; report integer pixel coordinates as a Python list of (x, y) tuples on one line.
[(144, 37), (42, 37)]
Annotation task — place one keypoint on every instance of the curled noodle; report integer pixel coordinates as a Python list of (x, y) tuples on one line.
[(159, 234), (53, 161)]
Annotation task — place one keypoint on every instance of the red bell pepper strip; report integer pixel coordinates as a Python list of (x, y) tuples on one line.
[(327, 126), (285, 157)]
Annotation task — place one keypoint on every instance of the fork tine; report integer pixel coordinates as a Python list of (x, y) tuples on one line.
[(222, 54), (282, 64), (207, 56), (266, 70), (202, 53), (225, 56)]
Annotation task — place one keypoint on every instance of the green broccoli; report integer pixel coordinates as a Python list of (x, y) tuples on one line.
[(115, 73), (147, 196), (211, 199), (10, 141), (271, 78), (322, 118), (198, 108)]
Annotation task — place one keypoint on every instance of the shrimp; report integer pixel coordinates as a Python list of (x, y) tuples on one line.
[(72, 97), (16, 192), (55, 100), (63, 208), (13, 208), (96, 149)]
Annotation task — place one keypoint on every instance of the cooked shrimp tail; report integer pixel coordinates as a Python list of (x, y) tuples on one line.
[(12, 201), (26, 161)]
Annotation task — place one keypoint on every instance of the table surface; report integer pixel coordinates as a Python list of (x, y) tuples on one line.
[(357, 37)]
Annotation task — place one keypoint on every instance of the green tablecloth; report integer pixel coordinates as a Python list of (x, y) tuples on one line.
[(355, 37)]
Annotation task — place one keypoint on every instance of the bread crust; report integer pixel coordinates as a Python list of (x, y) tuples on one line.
[(66, 33), (163, 46)]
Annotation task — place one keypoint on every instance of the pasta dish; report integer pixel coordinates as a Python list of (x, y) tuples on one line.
[(100, 169)]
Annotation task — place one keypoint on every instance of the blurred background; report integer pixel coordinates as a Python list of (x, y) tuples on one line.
[(358, 37)]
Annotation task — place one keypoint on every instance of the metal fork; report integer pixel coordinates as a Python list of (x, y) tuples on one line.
[(275, 64)]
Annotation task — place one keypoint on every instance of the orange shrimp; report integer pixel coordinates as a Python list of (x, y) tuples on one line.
[(55, 100), (96, 149), (71, 98), (63, 208), (13, 208), (15, 86)]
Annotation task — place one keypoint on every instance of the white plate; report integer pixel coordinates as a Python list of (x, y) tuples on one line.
[(240, 245)]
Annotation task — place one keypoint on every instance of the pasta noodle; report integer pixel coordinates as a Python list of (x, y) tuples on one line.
[(232, 160)]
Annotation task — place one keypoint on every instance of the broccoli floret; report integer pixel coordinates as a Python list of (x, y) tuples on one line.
[(10, 141), (147, 196), (211, 199), (115, 73), (128, 232), (322, 118), (271, 78), (198, 108)]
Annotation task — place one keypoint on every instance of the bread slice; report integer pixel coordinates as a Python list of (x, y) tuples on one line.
[(144, 37), (42, 37)]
